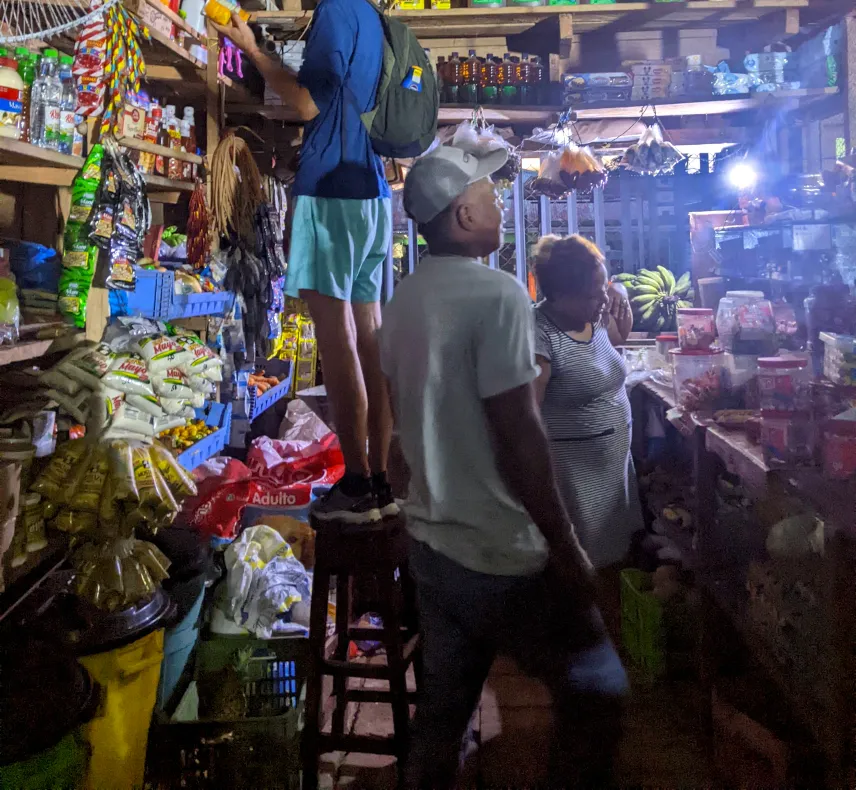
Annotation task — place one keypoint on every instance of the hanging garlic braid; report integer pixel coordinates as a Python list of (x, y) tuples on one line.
[(236, 188)]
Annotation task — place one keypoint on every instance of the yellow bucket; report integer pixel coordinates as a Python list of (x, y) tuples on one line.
[(119, 733)]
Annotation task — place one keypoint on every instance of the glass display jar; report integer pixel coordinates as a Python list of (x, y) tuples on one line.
[(700, 378), (665, 343), (745, 323), (696, 329), (784, 383), (786, 438)]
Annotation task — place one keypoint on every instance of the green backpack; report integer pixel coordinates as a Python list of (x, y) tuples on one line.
[(403, 123)]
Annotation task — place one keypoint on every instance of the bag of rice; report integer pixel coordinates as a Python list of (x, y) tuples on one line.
[(160, 352), (74, 405), (202, 356), (88, 367), (57, 380), (150, 404)]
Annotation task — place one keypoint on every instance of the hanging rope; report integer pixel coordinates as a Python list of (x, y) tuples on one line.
[(23, 20), (236, 188)]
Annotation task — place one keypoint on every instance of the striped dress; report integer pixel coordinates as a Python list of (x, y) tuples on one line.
[(587, 414)]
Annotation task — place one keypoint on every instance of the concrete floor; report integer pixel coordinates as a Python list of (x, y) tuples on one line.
[(661, 748)]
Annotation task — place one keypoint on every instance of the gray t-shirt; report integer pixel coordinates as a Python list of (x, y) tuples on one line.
[(455, 333)]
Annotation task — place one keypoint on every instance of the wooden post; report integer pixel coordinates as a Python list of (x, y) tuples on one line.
[(212, 89), (848, 80)]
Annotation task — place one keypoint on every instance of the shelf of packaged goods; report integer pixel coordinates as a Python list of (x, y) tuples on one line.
[(715, 105), (33, 349), (617, 17), (159, 150), (177, 21)]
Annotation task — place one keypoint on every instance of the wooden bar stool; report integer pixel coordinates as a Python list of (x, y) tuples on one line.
[(351, 553)]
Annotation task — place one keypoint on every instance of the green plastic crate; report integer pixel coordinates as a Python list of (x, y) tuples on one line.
[(261, 750), (643, 632)]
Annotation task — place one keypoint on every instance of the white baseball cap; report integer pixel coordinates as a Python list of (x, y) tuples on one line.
[(439, 177)]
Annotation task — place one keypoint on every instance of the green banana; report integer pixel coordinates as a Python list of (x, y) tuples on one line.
[(650, 279), (644, 299), (648, 311), (624, 277), (668, 279), (648, 289), (683, 283), (682, 303)]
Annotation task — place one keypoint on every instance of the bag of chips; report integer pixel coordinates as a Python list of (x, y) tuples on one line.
[(53, 482), (87, 495), (74, 521), (177, 478)]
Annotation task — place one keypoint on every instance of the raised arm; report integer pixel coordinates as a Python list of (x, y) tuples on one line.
[(619, 315)]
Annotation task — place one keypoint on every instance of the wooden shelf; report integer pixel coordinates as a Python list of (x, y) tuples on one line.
[(15, 153), (161, 184), (715, 105), (159, 150), (433, 23), (33, 349)]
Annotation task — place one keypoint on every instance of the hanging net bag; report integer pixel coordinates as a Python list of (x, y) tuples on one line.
[(22, 20)]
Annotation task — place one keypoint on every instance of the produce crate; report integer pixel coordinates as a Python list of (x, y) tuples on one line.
[(261, 750), (218, 415), (155, 297), (642, 627), (257, 404)]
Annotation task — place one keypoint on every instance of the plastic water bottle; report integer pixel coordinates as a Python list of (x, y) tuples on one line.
[(67, 104), (45, 102)]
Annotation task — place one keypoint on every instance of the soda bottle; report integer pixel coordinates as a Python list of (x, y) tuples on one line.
[(524, 87), (454, 79), (441, 77), (44, 103), (68, 101), (537, 81), (471, 74), (489, 82), (27, 72), (161, 162), (507, 91)]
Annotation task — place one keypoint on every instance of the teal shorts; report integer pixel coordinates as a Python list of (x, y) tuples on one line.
[(338, 247)]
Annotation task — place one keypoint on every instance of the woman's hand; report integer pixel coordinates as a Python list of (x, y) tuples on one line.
[(620, 314)]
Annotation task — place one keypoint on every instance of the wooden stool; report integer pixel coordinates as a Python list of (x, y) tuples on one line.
[(352, 553)]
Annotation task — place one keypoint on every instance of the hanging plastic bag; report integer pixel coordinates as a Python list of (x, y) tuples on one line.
[(652, 155)]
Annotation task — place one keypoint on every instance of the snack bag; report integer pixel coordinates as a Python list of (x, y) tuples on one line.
[(172, 383), (53, 482), (74, 405), (128, 373), (177, 478), (87, 495), (161, 352), (104, 403), (150, 404), (203, 357), (74, 521), (89, 367), (156, 502)]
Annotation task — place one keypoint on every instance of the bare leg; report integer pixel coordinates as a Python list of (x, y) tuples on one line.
[(367, 319), (337, 343)]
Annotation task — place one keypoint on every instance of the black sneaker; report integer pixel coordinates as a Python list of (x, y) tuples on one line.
[(385, 500), (336, 505)]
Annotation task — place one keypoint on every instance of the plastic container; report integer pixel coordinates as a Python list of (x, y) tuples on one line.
[(786, 438), (745, 323), (220, 11), (62, 766), (215, 414), (839, 449), (642, 631), (470, 76), (700, 378), (117, 737), (11, 99), (743, 381), (839, 358), (665, 343), (486, 3), (154, 297), (696, 328), (784, 383), (258, 404)]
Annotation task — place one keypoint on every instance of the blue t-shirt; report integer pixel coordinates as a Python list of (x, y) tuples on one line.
[(341, 70)]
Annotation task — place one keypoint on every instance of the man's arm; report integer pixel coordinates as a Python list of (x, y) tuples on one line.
[(280, 79)]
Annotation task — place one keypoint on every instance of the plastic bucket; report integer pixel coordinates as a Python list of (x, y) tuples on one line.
[(118, 735), (180, 640)]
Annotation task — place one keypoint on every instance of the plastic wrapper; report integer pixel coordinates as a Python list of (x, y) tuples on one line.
[(74, 405), (74, 521), (177, 478), (10, 312), (128, 422), (54, 480), (129, 373), (161, 352), (150, 404), (172, 383), (571, 168), (156, 506), (86, 496), (89, 366), (57, 380), (178, 407), (73, 296), (652, 155), (120, 573), (477, 138)]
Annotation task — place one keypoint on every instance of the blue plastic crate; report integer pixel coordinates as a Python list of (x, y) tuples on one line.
[(257, 404), (218, 415), (155, 297)]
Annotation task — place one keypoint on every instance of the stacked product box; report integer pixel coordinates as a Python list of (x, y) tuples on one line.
[(602, 86), (772, 71), (650, 81)]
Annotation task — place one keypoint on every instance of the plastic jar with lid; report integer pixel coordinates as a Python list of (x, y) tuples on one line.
[(839, 449), (786, 438), (700, 378), (784, 383), (696, 329), (745, 323), (11, 99), (665, 343)]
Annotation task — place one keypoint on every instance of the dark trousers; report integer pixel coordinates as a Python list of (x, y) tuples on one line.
[(466, 619)]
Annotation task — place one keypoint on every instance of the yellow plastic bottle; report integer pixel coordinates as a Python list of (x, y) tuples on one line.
[(220, 11)]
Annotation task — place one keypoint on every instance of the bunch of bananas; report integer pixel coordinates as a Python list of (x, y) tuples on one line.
[(655, 297)]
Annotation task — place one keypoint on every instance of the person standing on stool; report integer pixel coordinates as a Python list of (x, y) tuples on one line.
[(340, 236), (497, 566)]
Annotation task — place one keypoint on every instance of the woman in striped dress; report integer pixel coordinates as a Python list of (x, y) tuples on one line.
[(583, 400)]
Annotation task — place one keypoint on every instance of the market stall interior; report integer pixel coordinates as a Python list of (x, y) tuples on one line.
[(164, 428)]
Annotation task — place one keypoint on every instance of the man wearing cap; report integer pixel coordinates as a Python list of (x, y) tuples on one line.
[(495, 559)]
